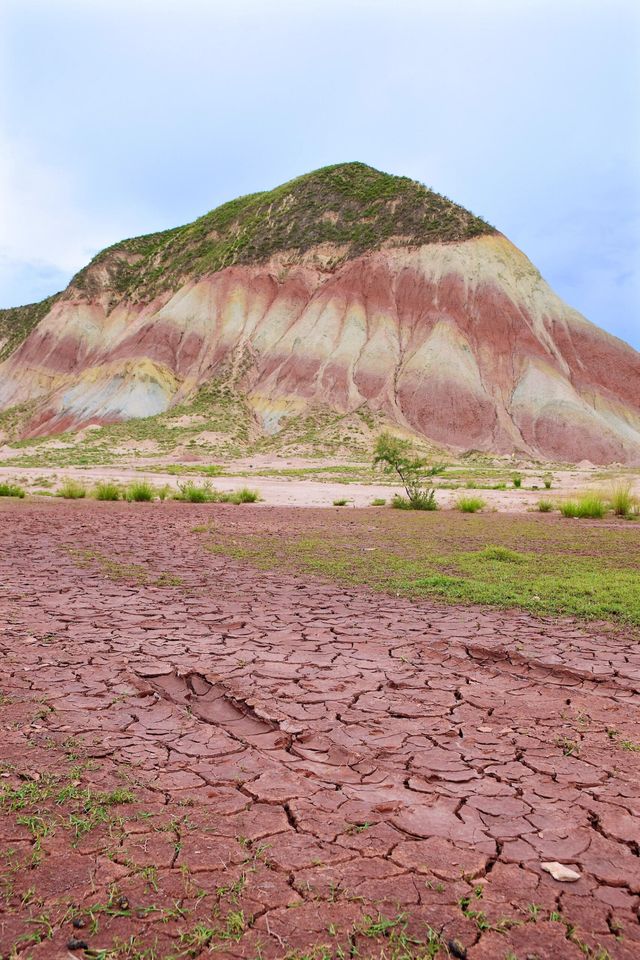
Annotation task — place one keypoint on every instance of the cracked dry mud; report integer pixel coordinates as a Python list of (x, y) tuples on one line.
[(304, 770)]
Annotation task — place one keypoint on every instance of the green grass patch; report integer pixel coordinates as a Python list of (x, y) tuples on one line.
[(106, 490)]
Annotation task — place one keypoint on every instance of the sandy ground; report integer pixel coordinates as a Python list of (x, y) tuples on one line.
[(287, 761)]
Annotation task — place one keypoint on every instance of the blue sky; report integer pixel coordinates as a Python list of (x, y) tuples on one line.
[(122, 118)]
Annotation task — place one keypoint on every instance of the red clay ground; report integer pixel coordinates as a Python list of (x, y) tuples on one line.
[(199, 756)]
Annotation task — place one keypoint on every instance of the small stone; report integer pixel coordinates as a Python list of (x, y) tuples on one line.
[(74, 944), (79, 923), (122, 903), (456, 949), (560, 872)]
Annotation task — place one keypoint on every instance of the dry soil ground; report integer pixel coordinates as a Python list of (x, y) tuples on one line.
[(200, 756)]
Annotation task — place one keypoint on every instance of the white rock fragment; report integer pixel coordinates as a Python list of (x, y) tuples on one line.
[(559, 872)]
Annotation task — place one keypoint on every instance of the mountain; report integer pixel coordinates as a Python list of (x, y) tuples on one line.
[(347, 290)]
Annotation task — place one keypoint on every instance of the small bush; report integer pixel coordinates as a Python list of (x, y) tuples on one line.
[(470, 504), (588, 505), (340, 503), (621, 498), (501, 553), (72, 490), (11, 490), (548, 481), (141, 491), (192, 493), (422, 501), (471, 485), (545, 506), (516, 479), (164, 491), (378, 502), (106, 490)]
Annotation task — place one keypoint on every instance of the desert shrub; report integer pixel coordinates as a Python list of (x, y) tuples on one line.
[(548, 481), (11, 490), (141, 491), (501, 553), (471, 485), (545, 506), (192, 493), (72, 490), (107, 490), (398, 456), (470, 504), (163, 491), (378, 502), (588, 505), (340, 503), (516, 480), (621, 499)]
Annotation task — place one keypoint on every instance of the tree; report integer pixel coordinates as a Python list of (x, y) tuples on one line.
[(398, 456)]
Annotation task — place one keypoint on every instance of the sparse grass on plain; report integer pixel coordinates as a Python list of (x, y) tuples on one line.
[(537, 563)]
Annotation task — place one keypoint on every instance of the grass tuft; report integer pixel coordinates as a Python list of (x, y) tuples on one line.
[(621, 499), (72, 490), (470, 504), (545, 506), (11, 490), (140, 491), (192, 493), (589, 505), (107, 490), (503, 554), (243, 495)]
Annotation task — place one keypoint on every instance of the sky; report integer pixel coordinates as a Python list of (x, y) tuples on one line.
[(122, 118)]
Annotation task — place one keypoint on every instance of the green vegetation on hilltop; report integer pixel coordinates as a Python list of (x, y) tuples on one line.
[(349, 205)]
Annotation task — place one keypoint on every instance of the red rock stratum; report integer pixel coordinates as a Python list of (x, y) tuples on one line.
[(347, 289)]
